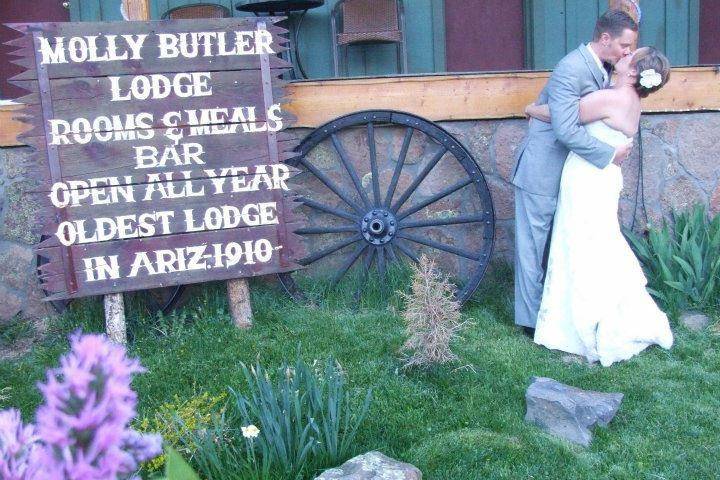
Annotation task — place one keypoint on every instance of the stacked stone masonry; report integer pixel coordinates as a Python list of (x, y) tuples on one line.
[(680, 166)]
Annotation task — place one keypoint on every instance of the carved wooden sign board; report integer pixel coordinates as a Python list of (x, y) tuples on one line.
[(159, 151)]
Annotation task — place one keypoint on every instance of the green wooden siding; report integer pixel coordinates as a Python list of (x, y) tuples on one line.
[(554, 27), (670, 25), (425, 33)]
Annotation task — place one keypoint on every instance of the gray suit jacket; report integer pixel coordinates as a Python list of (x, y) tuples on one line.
[(542, 154)]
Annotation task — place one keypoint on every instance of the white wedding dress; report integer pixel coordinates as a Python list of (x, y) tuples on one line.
[(594, 300)]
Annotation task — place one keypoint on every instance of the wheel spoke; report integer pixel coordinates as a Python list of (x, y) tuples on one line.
[(442, 221), (381, 265), (348, 263), (324, 208), (331, 185), (406, 250), (391, 253), (439, 246), (373, 164), (322, 230), (367, 262), (431, 164), (351, 171), (398, 166), (435, 198), (327, 251)]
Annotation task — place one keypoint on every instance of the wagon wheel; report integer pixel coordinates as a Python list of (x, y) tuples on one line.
[(377, 186), (148, 302)]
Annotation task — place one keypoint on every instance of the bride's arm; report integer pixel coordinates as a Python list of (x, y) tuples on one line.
[(597, 105), (593, 106), (541, 112)]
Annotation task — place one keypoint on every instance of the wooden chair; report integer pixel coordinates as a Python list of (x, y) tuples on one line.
[(368, 22), (199, 10)]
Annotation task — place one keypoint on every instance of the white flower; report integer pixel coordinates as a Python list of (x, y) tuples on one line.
[(251, 431), (650, 78)]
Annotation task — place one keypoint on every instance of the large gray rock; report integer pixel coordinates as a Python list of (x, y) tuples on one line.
[(569, 412), (372, 466), (695, 321)]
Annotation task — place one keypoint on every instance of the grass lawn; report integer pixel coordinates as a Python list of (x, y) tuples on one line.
[(453, 423)]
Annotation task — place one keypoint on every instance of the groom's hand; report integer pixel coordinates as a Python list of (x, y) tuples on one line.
[(622, 153)]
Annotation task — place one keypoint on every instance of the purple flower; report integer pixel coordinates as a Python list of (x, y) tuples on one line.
[(83, 424), (17, 445)]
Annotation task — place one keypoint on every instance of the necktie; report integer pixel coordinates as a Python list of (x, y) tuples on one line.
[(608, 73)]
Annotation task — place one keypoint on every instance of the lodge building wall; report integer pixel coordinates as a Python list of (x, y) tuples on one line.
[(680, 167)]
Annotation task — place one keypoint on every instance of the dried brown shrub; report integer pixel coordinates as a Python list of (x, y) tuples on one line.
[(432, 317)]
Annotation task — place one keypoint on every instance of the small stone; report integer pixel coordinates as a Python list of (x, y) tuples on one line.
[(508, 137), (10, 304), (21, 211), (14, 161), (697, 146), (503, 197), (695, 321), (372, 466), (16, 265), (715, 201), (569, 412), (504, 247), (476, 136), (681, 194)]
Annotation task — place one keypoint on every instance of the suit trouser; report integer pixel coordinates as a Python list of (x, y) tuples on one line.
[(533, 223)]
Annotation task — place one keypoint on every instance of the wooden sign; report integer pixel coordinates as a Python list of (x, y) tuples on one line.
[(159, 150)]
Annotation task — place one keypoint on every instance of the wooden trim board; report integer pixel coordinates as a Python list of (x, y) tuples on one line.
[(472, 96)]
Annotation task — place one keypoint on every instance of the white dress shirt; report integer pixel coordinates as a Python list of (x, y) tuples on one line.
[(600, 65)]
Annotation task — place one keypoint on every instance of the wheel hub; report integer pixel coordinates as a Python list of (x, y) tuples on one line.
[(378, 226)]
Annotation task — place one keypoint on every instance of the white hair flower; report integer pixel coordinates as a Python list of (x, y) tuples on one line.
[(251, 431), (650, 78)]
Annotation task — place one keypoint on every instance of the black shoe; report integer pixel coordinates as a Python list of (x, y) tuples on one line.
[(529, 331)]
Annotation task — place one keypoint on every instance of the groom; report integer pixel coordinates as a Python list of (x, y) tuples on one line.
[(541, 156)]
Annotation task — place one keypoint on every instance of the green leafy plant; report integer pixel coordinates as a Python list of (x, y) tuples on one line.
[(176, 468), (285, 427), (194, 413), (682, 261)]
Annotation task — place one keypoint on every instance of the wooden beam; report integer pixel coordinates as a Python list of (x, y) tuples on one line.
[(478, 96), (475, 96)]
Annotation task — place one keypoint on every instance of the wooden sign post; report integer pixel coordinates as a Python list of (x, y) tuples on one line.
[(159, 149)]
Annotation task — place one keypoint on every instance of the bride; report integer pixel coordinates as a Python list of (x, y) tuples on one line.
[(594, 300)]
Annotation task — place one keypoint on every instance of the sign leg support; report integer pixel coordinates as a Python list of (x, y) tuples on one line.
[(239, 301), (114, 302), (115, 317)]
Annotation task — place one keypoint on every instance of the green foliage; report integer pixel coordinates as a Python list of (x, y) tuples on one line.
[(176, 468), (453, 424), (306, 420), (682, 262), (192, 414), (15, 329)]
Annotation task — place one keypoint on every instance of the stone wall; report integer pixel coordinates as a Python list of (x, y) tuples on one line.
[(680, 167), (19, 291)]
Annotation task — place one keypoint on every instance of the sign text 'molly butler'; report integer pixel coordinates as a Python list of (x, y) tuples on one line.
[(108, 48)]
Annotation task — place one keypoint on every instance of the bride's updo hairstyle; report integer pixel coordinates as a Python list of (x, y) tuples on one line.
[(653, 70)]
